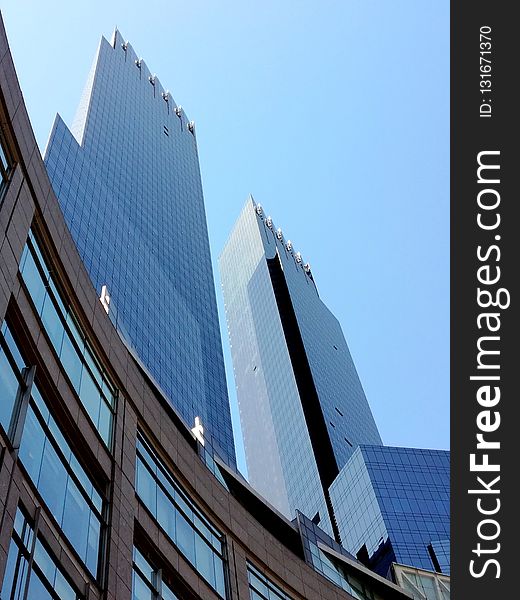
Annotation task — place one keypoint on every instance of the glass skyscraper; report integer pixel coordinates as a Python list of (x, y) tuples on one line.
[(104, 491), (302, 407), (393, 505), (127, 178)]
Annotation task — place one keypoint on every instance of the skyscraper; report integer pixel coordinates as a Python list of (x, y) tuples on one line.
[(302, 407), (127, 178), (104, 491), (392, 505)]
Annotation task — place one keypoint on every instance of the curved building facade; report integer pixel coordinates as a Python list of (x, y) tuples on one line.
[(105, 493)]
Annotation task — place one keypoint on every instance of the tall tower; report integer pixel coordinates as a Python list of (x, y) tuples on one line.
[(127, 178), (302, 407)]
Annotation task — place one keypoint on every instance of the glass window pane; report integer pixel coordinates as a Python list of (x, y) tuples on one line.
[(216, 542), (90, 396), (37, 590), (39, 257), (63, 588), (53, 481), (71, 322), (24, 258), (52, 323), (44, 561), (71, 362), (94, 535), (147, 457), (165, 513), (8, 390), (40, 404), (105, 423), (76, 519), (13, 347), (85, 482), (97, 500), (140, 591), (220, 586), (166, 483), (93, 367), (108, 390), (146, 487), (204, 560), (10, 568), (167, 593), (185, 538), (54, 292), (201, 528), (31, 449), (59, 439), (143, 564), (34, 283), (258, 585), (3, 160), (184, 506)]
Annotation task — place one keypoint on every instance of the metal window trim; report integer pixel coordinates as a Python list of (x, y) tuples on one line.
[(178, 487), (21, 405), (183, 514), (68, 468)]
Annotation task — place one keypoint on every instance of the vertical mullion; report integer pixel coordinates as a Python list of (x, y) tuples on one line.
[(157, 583), (31, 554), (20, 407)]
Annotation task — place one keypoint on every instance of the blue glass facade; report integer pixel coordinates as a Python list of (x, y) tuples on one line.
[(395, 502), (302, 407), (128, 181)]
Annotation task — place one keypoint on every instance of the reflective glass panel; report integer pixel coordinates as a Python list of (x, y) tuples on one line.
[(199, 542), (262, 588), (71, 346), (66, 488), (47, 579)]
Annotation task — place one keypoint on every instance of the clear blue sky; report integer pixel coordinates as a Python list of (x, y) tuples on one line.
[(335, 116)]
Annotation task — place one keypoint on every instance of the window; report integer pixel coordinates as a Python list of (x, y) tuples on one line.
[(11, 379), (200, 543), (88, 378), (65, 487), (147, 581), (262, 588), (6, 163), (210, 462), (67, 490), (44, 577), (336, 571)]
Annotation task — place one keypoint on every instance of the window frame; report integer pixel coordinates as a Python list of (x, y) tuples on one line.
[(7, 163), (272, 587), (26, 551), (28, 398), (86, 356), (220, 553)]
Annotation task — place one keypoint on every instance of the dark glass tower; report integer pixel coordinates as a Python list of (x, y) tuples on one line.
[(127, 178), (393, 505), (302, 407)]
